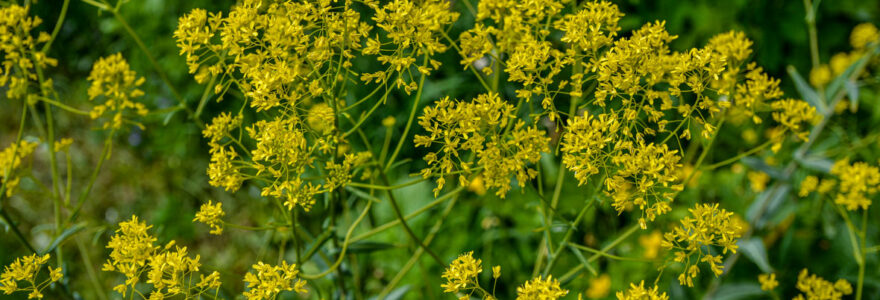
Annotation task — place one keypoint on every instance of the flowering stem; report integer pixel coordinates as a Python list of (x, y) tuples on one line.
[(345, 244), (406, 227), (412, 116)]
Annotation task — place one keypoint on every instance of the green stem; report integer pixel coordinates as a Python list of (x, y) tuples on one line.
[(412, 116), (411, 215), (57, 28), (574, 271)]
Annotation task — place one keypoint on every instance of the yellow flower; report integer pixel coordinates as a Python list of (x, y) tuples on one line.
[(25, 270), (795, 116), (10, 161), (707, 226), (639, 292), (211, 215), (651, 243), (599, 287), (594, 26), (113, 79), (476, 127), (132, 247), (863, 34), (814, 287), (540, 289), (858, 182), (21, 56), (652, 172), (808, 185), (462, 273), (768, 281), (270, 280), (820, 76), (758, 180), (496, 272)]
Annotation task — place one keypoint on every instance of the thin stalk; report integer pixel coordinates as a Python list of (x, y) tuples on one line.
[(412, 260), (574, 271), (412, 116)]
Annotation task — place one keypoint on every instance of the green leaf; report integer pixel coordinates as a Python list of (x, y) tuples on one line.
[(759, 164), (731, 291), (583, 260), (806, 91), (837, 85), (397, 293), (767, 204), (754, 249), (816, 163), (852, 92), (63, 236)]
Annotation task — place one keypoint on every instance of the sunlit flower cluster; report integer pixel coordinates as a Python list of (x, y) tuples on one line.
[(815, 287), (112, 79), (480, 134), (707, 226), (21, 276), (18, 47), (640, 292), (540, 289), (168, 269), (268, 281), (11, 159), (462, 273)]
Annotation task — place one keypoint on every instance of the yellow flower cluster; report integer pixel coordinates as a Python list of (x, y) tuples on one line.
[(168, 271), (211, 214), (26, 269), (858, 182), (795, 116), (270, 280), (768, 281), (413, 29), (814, 287), (488, 131), (586, 144), (707, 226), (113, 79), (289, 59), (19, 50), (640, 292), (10, 161), (647, 178), (462, 273), (864, 34), (540, 289)]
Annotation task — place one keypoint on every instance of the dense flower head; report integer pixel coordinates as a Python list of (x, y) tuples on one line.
[(114, 80), (813, 287), (768, 281), (707, 226), (864, 34), (268, 281), (585, 143), (210, 214), (485, 127), (795, 116), (647, 179), (592, 27), (21, 276), (10, 160), (462, 273), (18, 47), (540, 288), (858, 182), (640, 292), (135, 255)]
